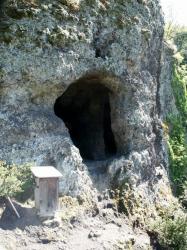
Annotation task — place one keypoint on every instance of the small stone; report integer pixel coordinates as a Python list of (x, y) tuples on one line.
[(116, 214), (45, 7), (90, 235), (99, 197), (110, 205), (93, 234), (111, 194), (104, 214)]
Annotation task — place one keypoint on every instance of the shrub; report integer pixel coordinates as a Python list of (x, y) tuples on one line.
[(171, 230), (183, 197), (178, 153), (177, 130), (15, 181)]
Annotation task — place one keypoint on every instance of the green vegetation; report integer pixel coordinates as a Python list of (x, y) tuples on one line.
[(177, 124), (172, 31), (178, 153), (15, 181), (170, 229), (180, 40)]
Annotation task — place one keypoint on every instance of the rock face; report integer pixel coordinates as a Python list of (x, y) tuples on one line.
[(79, 90)]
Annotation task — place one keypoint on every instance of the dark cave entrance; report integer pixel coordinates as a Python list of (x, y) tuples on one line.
[(85, 109)]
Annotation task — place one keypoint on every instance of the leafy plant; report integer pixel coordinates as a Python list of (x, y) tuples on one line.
[(183, 197), (15, 181), (180, 40), (178, 152), (170, 30), (171, 229), (177, 130)]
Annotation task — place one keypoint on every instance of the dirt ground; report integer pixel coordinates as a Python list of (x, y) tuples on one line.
[(104, 229)]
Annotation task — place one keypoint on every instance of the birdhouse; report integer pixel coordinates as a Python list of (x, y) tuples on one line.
[(46, 190)]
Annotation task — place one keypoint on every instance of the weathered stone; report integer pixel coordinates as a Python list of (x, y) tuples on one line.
[(46, 50)]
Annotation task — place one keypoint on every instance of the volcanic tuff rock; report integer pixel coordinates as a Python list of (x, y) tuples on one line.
[(48, 46)]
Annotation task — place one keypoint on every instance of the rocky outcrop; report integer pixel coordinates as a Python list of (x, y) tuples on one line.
[(48, 47)]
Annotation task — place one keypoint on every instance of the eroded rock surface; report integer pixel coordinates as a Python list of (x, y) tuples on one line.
[(45, 47)]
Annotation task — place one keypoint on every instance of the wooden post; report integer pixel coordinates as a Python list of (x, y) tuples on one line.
[(13, 207)]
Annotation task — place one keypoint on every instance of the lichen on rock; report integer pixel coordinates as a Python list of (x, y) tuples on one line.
[(45, 48)]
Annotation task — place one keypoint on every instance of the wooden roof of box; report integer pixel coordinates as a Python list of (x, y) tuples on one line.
[(45, 172)]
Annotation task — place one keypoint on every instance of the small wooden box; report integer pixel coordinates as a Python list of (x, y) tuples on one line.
[(46, 190)]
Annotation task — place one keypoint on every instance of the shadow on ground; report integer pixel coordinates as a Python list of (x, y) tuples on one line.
[(28, 217)]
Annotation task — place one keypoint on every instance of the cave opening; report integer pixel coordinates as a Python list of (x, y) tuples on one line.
[(85, 109)]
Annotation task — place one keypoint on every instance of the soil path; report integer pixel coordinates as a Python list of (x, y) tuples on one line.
[(105, 231)]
